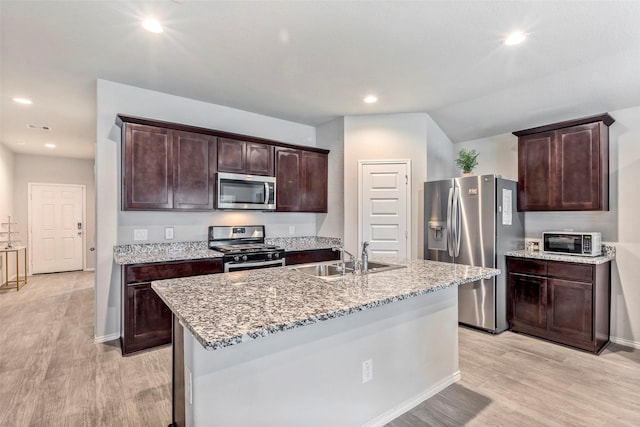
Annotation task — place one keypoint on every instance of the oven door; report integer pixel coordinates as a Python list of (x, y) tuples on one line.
[(237, 191), (563, 243), (252, 265)]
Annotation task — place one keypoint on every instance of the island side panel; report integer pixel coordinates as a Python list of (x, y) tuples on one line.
[(312, 375), (178, 374)]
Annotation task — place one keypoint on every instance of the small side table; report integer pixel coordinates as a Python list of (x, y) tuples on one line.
[(20, 280)]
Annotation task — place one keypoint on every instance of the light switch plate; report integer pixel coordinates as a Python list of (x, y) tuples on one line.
[(140, 234), (168, 233)]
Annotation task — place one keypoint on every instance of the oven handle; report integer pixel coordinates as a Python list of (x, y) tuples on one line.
[(229, 267)]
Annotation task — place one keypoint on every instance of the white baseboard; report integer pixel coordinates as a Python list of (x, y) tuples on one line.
[(105, 338), (626, 343), (90, 269), (411, 403)]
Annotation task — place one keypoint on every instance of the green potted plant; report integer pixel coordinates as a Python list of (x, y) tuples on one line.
[(467, 160)]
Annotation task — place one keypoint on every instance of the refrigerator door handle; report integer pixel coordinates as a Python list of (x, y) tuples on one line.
[(457, 222), (449, 229)]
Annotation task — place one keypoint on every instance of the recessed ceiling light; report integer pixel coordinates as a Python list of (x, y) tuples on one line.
[(370, 99), (50, 145), (23, 101), (515, 38), (152, 26)]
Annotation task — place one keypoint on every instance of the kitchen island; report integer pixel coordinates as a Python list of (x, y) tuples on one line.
[(276, 347)]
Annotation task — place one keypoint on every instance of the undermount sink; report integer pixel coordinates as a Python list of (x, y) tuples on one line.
[(334, 271), (375, 267), (323, 270)]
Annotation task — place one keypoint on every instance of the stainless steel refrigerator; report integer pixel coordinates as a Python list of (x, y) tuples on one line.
[(474, 221)]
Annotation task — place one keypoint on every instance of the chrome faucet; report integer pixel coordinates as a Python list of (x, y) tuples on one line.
[(365, 257), (352, 258)]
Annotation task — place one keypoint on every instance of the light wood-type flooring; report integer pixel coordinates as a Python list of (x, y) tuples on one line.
[(53, 374)]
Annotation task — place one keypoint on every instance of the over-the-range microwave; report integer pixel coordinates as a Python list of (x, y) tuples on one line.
[(246, 192), (572, 243)]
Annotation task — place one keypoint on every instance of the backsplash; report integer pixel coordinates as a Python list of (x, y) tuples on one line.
[(304, 242)]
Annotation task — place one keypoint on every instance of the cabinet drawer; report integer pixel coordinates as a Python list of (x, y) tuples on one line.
[(527, 266), (317, 255), (566, 270), (169, 270)]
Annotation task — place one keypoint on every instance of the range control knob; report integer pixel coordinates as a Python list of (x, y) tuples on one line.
[(244, 257), (276, 255), (236, 258), (269, 255)]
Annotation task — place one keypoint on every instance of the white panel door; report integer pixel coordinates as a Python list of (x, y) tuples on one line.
[(56, 227), (385, 207)]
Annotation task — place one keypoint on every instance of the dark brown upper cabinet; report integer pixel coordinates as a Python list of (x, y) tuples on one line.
[(565, 166), (165, 169), (301, 180), (245, 157), (314, 181), (147, 173), (172, 166), (194, 177)]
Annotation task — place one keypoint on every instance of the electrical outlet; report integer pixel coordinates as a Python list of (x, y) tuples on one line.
[(168, 233), (292, 229), (367, 371), (140, 234)]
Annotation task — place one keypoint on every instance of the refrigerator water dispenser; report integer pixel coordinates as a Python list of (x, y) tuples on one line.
[(437, 238)]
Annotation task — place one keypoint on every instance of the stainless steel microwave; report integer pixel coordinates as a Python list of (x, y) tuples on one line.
[(572, 243), (246, 192)]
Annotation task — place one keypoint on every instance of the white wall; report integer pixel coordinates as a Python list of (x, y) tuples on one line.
[(55, 170), (619, 226), (116, 227), (498, 155), (330, 135), (440, 155), (6, 200), (384, 136)]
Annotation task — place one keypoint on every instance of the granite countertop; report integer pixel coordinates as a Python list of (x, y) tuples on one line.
[(222, 310), (162, 252), (181, 251), (608, 254)]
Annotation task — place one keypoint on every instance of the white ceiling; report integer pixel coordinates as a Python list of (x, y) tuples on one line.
[(311, 61)]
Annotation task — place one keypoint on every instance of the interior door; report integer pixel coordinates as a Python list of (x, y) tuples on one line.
[(384, 208), (56, 227)]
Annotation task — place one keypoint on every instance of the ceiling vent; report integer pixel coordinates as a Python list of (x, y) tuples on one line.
[(38, 127)]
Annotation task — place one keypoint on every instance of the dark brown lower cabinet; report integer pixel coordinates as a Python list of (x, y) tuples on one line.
[(146, 320), (560, 301), (317, 255)]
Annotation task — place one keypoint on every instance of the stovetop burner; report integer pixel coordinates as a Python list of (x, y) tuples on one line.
[(240, 248), (243, 248)]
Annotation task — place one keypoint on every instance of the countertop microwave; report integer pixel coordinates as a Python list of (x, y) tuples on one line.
[(246, 192), (572, 243)]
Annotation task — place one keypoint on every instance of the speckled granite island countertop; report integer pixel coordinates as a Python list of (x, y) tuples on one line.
[(608, 254), (222, 310)]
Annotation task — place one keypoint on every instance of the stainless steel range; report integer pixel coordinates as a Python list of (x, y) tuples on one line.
[(244, 247)]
